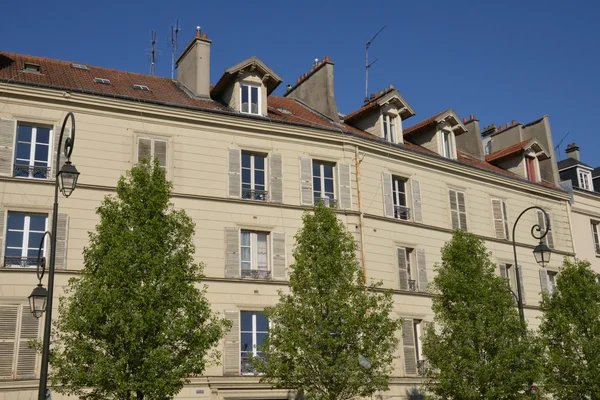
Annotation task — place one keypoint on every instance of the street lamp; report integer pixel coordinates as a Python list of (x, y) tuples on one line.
[(40, 299), (541, 252)]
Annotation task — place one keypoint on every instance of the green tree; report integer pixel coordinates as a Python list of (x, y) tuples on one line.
[(477, 349), (330, 327), (135, 324), (570, 333)]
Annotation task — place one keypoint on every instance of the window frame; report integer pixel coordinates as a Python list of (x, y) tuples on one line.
[(254, 332), (511, 272), (253, 170), (446, 139), (551, 279), (396, 196), (253, 246), (249, 87), (390, 127), (32, 150), (153, 140), (532, 168), (596, 236), (418, 334), (584, 179), (323, 193), (25, 245)]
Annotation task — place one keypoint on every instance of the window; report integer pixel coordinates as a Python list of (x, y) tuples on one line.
[(458, 210), (500, 218), (24, 233), (151, 148), (323, 183), (253, 176), (551, 281), (254, 329), (389, 128), (418, 333), (17, 328), (254, 250), (405, 269), (531, 168), (510, 274), (488, 147), (596, 236), (32, 154), (446, 144), (250, 99), (585, 179), (401, 211)]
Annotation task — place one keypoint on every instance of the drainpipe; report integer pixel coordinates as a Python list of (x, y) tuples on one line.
[(361, 220)]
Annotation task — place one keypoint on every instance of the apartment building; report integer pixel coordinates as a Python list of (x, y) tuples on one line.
[(245, 165)]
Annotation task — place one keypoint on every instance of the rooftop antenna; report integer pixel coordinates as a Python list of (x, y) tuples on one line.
[(174, 33), (367, 65), (557, 147), (153, 52)]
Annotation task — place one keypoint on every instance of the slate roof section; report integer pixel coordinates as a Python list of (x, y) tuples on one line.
[(570, 163)]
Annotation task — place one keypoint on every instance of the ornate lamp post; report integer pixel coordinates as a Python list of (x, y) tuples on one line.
[(40, 299)]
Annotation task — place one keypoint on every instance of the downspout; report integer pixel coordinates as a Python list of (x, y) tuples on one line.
[(361, 219)]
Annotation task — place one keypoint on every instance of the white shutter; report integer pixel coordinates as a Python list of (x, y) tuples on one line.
[(144, 149), (520, 272), (232, 253), (279, 253), (231, 347), (62, 237), (454, 210), (503, 271), (462, 210), (306, 182), (235, 168), (548, 239), (345, 185), (388, 202), (2, 236), (8, 130), (276, 178), (9, 314), (505, 214), (27, 356), (543, 280), (416, 200), (160, 152), (422, 270), (499, 224), (402, 268), (408, 343)]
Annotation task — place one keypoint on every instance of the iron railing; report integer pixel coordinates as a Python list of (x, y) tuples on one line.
[(256, 274), (412, 285), (597, 248), (24, 262), (402, 212), (328, 202), (252, 194), (246, 366), (31, 171)]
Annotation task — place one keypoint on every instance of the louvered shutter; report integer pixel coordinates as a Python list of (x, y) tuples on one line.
[(402, 268), (520, 272), (144, 149), (9, 314), (408, 343), (503, 271), (276, 178), (416, 199), (231, 347), (345, 185), (26, 358), (2, 236), (462, 210), (454, 210), (8, 130), (56, 133), (422, 270), (279, 253), (235, 178), (232, 253), (160, 152), (388, 201), (548, 239), (505, 220), (497, 213), (544, 280), (62, 237), (306, 182)]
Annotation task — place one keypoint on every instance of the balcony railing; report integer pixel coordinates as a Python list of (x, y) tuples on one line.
[(256, 274), (331, 203), (252, 194), (597, 248), (31, 171), (412, 285), (23, 262), (402, 212), (246, 366)]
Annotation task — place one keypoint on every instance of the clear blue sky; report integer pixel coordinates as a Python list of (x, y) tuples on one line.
[(499, 60)]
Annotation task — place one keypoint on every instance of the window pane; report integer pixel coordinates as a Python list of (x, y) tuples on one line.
[(259, 162), (261, 251), (246, 266), (260, 339), (42, 135), (246, 341), (245, 238), (317, 185), (246, 255), (34, 253), (37, 223), (24, 134), (329, 185), (261, 322), (328, 170), (23, 151), (15, 220), (245, 99), (246, 175), (13, 253), (254, 95), (246, 160), (385, 127), (259, 177), (246, 321), (14, 239), (34, 239), (316, 169), (41, 152), (259, 187)]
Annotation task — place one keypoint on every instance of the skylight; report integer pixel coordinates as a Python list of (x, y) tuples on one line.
[(80, 66), (141, 87), (31, 67), (102, 80)]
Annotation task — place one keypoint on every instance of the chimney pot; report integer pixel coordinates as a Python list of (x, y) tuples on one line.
[(500, 128), (198, 31), (507, 125), (471, 117), (514, 122), (193, 66), (465, 120)]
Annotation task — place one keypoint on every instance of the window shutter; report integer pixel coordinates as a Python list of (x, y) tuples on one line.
[(56, 134), (160, 152), (345, 185), (416, 198), (454, 210), (144, 149), (402, 271), (2, 236), (62, 237), (548, 239), (235, 178), (543, 280), (506, 231), (231, 347), (8, 330), (8, 129), (26, 359), (498, 219), (422, 270), (279, 253), (520, 272), (232, 253), (408, 342), (306, 182), (388, 202), (503, 271), (276, 178), (462, 210)]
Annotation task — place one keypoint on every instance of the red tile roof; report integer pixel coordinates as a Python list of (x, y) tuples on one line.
[(422, 124), (372, 103), (507, 151)]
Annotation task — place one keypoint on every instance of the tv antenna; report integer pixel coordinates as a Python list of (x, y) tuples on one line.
[(367, 65), (153, 52), (174, 32), (557, 147)]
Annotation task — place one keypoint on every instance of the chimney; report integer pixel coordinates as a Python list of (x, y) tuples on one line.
[(193, 65), (315, 89), (573, 151), (488, 130), (470, 141)]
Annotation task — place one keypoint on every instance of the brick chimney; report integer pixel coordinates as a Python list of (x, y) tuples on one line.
[(193, 65), (573, 151)]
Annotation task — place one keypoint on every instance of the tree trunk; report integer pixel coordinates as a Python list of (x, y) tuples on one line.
[(140, 395)]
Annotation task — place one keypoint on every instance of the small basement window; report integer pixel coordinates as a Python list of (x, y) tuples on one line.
[(30, 67), (141, 87), (80, 66), (102, 80)]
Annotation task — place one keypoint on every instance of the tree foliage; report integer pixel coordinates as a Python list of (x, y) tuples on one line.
[(477, 349), (135, 324), (329, 320), (570, 333)]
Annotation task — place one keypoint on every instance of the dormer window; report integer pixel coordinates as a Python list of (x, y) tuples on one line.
[(389, 128), (446, 144), (250, 95), (531, 168), (585, 179)]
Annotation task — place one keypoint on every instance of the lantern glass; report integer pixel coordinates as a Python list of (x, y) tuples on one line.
[(542, 254), (37, 301), (67, 178)]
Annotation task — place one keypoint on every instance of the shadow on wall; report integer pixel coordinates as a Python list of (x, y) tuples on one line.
[(414, 394)]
